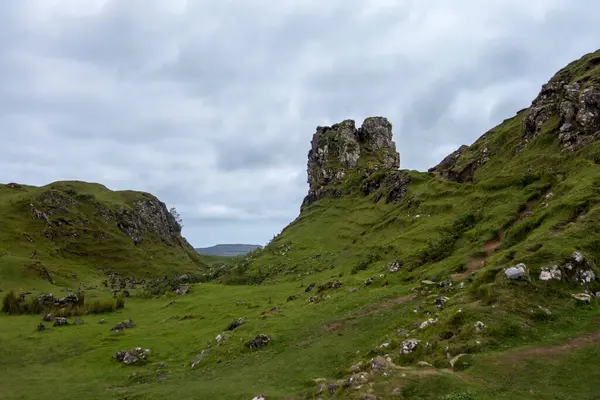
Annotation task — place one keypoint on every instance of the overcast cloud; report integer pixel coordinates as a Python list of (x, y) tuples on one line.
[(211, 105)]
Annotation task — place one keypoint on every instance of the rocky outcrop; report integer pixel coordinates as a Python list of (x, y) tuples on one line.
[(456, 168), (341, 149), (148, 215), (576, 109)]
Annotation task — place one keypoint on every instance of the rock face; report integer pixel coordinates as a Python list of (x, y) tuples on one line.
[(148, 215), (577, 108), (338, 149)]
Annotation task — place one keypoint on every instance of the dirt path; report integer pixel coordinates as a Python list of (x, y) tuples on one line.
[(477, 261), (547, 351)]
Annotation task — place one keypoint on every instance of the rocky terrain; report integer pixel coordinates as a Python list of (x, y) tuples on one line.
[(475, 280)]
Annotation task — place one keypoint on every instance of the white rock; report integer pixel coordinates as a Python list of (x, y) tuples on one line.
[(550, 273), (430, 321), (582, 297), (408, 346), (479, 326), (261, 397), (518, 271), (578, 257)]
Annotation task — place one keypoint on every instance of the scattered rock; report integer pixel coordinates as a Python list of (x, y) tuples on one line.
[(40, 327), (394, 267), (380, 364), (332, 389), (578, 258), (329, 285), (356, 368), (259, 341), (479, 326), (259, 397), (291, 298), (423, 364), (584, 297), (408, 346), (102, 321), (369, 281), (221, 338), (48, 318), (127, 324), (60, 321), (198, 359), (357, 379), (550, 273), (235, 323), (310, 287), (585, 277), (430, 321), (516, 272), (134, 356), (441, 302), (182, 289)]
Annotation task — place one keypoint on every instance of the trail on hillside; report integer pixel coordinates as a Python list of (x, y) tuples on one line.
[(477, 261)]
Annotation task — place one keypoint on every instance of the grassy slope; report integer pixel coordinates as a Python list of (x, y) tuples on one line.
[(72, 259), (352, 239)]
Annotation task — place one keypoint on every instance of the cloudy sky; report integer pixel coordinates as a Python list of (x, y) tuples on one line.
[(211, 105)]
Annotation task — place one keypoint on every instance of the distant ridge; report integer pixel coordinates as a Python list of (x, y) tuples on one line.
[(228, 250)]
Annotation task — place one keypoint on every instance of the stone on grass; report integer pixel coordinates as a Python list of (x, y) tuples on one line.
[(380, 364), (258, 342), (408, 346), (425, 324), (550, 273), (479, 326), (133, 356), (40, 327), (235, 323), (48, 318), (516, 272), (441, 302), (182, 289), (60, 321), (577, 257), (584, 297), (585, 277), (259, 397), (423, 364), (121, 326)]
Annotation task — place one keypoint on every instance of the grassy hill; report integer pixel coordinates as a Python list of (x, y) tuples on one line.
[(390, 284), (61, 233)]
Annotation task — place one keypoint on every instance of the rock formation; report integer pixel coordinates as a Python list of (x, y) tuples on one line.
[(342, 149), (577, 108)]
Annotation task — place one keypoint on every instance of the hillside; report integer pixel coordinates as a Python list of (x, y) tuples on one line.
[(228, 250), (475, 280), (66, 232)]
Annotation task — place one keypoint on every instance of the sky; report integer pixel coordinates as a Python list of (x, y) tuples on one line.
[(211, 105)]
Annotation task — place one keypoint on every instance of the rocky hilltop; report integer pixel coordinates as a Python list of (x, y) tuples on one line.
[(343, 156)]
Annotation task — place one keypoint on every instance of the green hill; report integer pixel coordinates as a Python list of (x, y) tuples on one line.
[(474, 280), (228, 250), (66, 232)]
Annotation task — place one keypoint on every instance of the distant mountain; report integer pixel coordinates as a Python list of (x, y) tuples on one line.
[(228, 250)]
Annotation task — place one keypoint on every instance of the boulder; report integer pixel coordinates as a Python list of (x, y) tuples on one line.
[(182, 289), (423, 364), (441, 302), (130, 357), (258, 342), (235, 323), (516, 272), (550, 273), (310, 287), (259, 397), (121, 326), (48, 318), (380, 364), (394, 267), (583, 297), (408, 346), (60, 321), (430, 321), (479, 326)]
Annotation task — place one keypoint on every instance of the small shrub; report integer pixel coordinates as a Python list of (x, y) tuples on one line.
[(11, 303)]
